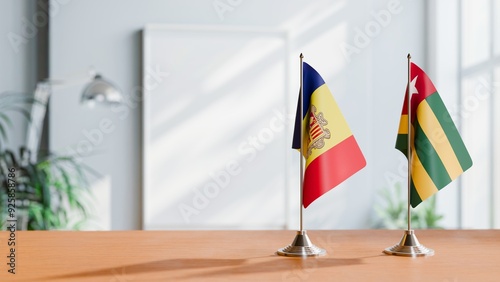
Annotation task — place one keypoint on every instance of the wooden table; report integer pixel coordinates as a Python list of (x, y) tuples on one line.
[(461, 255)]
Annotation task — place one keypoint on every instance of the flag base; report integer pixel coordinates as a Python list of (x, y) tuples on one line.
[(301, 247), (409, 247)]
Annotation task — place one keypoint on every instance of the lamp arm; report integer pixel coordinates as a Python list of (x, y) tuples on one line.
[(78, 79), (38, 111), (39, 108), (42, 94)]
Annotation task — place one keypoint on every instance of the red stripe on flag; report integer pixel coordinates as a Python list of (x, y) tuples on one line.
[(332, 168), (424, 86)]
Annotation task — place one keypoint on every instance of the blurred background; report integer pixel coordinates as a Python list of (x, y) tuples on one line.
[(202, 136)]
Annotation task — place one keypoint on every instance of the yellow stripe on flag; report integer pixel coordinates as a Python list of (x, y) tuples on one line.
[(435, 134), (403, 125), (403, 128), (421, 180), (324, 102)]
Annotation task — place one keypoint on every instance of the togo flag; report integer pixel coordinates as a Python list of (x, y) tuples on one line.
[(438, 153)]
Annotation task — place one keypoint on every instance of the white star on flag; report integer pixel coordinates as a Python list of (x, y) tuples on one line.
[(413, 88)]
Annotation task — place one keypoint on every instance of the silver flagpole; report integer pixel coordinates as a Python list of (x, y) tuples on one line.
[(409, 245), (301, 206), (301, 245), (408, 93)]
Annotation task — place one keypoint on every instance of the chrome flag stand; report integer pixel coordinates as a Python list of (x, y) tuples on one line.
[(301, 245), (409, 245)]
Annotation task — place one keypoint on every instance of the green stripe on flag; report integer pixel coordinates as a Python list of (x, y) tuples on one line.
[(402, 143), (450, 130), (430, 159), (414, 196)]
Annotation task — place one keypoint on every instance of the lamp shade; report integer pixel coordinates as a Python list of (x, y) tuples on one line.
[(101, 90)]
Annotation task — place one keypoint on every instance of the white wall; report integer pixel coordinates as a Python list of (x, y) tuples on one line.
[(18, 57), (368, 86)]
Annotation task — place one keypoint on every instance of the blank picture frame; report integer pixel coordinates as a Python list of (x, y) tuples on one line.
[(216, 130)]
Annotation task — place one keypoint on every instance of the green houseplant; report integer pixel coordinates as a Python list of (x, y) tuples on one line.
[(392, 212), (50, 192), (12, 103)]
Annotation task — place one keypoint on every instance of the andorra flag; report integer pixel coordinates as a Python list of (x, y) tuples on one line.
[(438, 153), (331, 153)]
